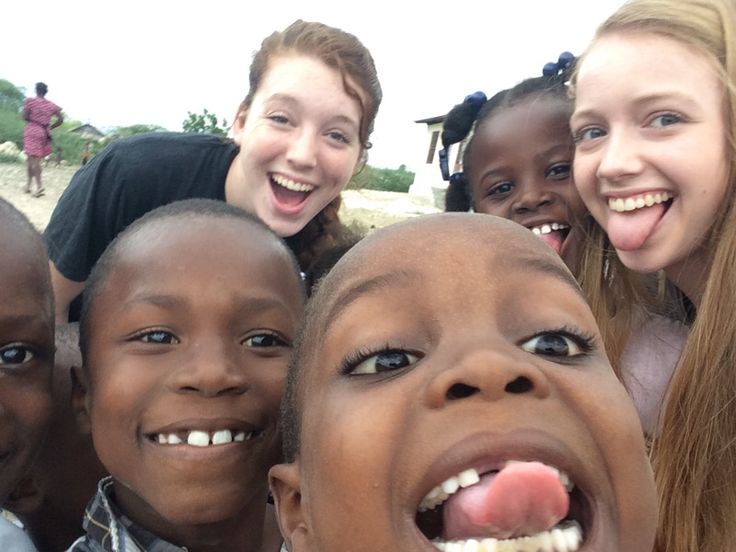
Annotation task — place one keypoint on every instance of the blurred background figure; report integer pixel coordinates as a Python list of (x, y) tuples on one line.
[(38, 112)]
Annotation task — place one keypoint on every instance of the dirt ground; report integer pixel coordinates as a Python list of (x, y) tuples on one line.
[(366, 209)]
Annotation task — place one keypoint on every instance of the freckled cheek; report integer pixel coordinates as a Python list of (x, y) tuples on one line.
[(339, 167)]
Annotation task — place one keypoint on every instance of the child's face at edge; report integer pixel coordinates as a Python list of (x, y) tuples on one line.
[(26, 357), (521, 170), (649, 120), (374, 444), (299, 143), (191, 338)]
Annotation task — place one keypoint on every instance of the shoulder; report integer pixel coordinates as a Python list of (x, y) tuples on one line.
[(161, 146), (14, 538)]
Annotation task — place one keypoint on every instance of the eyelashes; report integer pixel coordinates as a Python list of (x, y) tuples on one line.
[(382, 360), (561, 345)]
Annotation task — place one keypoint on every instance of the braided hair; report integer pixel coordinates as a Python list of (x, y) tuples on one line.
[(475, 109)]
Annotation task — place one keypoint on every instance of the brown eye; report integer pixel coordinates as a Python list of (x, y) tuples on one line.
[(15, 354), (552, 344), (159, 337), (265, 340), (386, 361)]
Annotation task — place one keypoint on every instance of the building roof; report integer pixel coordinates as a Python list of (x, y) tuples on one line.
[(432, 120), (88, 131)]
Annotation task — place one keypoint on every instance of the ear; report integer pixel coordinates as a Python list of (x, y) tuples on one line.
[(239, 123), (80, 400), (26, 498), (285, 483)]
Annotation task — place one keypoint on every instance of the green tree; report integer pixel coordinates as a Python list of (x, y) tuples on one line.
[(11, 97), (11, 122), (122, 132), (387, 180), (204, 123)]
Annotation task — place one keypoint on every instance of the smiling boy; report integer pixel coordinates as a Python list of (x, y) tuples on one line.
[(427, 409), (26, 356), (185, 334)]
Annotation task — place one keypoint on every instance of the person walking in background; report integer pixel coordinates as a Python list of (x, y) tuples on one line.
[(38, 112), (85, 154)]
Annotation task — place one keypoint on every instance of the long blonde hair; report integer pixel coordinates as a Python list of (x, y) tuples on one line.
[(694, 456)]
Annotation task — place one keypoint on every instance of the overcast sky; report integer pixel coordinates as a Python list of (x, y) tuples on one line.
[(150, 61)]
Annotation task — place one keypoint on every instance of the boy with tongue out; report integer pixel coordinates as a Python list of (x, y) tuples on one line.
[(425, 411)]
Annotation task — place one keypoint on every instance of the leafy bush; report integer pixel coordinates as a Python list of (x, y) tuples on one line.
[(11, 127), (387, 180), (6, 158), (204, 122)]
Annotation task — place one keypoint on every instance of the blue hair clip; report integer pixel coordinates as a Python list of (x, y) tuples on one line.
[(476, 99), (552, 68)]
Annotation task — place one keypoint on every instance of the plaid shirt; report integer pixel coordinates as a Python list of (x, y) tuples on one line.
[(108, 530)]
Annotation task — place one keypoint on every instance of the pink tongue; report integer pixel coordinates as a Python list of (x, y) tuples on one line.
[(554, 239), (288, 197), (523, 499), (628, 231)]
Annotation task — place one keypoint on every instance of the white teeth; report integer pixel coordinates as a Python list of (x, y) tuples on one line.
[(451, 485), (547, 228), (198, 438), (566, 537), (468, 478), (565, 480), (621, 205), (290, 184), (221, 437)]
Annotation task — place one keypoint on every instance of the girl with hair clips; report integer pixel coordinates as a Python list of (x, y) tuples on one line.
[(38, 112), (300, 134), (517, 165), (655, 131)]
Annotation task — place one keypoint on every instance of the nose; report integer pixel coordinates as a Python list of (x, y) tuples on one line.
[(211, 369), (302, 149), (620, 158), (532, 197), (487, 374)]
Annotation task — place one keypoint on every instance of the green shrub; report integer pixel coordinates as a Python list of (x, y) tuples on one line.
[(5, 158), (387, 180)]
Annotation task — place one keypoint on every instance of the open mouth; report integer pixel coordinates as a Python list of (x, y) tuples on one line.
[(199, 438), (633, 220), (553, 234), (518, 506), (289, 193)]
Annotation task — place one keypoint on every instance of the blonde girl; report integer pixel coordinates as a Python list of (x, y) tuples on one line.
[(654, 125)]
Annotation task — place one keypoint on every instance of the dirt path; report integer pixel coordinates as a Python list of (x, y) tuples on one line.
[(367, 208)]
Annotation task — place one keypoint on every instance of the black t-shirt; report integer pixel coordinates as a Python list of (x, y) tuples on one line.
[(129, 178)]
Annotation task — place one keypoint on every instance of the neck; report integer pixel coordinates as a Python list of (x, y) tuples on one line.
[(243, 531), (690, 276)]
